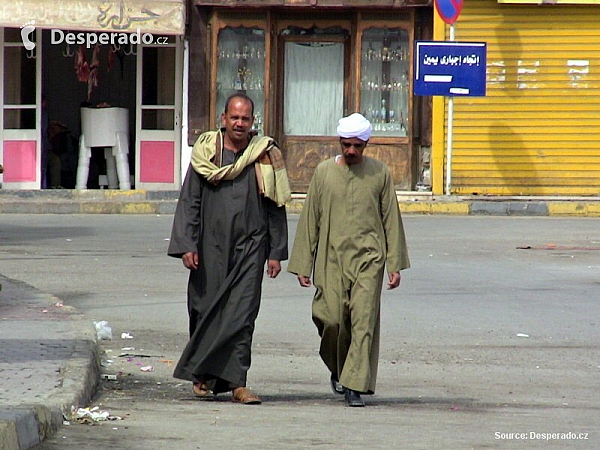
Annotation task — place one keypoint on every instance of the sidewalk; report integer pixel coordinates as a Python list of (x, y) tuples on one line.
[(48, 363), (164, 202)]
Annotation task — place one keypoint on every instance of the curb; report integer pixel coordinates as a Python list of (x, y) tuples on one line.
[(108, 201), (24, 426)]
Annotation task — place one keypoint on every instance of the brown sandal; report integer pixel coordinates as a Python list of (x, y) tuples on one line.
[(244, 396), (201, 390)]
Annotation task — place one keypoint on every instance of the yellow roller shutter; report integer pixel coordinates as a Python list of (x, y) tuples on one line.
[(537, 132)]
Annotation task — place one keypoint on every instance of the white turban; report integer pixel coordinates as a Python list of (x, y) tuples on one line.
[(354, 126)]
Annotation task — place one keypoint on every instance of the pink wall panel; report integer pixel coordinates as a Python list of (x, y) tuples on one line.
[(19, 161), (157, 162)]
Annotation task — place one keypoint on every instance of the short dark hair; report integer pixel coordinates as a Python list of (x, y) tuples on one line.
[(239, 95)]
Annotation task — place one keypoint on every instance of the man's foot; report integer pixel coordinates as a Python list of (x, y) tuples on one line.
[(336, 387), (201, 390), (353, 398), (245, 396)]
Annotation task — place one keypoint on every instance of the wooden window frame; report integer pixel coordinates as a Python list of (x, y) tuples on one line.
[(273, 23), (225, 19), (362, 24)]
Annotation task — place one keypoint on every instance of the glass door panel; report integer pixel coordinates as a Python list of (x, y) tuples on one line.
[(384, 82), (241, 68), (158, 88), (19, 88), (158, 118)]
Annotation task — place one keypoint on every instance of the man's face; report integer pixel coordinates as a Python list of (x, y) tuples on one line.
[(238, 120), (352, 150)]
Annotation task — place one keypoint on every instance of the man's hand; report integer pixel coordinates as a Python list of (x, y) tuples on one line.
[(304, 281), (273, 268), (190, 260), (394, 280)]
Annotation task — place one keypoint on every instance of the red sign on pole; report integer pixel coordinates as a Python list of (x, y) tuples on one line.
[(449, 10)]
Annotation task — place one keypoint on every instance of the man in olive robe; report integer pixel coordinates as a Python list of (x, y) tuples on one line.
[(350, 228), (230, 219)]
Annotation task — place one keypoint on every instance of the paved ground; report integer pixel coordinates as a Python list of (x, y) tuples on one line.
[(47, 363), (465, 371)]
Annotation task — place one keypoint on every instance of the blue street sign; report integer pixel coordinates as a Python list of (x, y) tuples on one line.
[(449, 10), (450, 68)]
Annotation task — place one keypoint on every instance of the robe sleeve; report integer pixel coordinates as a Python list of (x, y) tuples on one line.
[(307, 232), (397, 253), (186, 222), (278, 232)]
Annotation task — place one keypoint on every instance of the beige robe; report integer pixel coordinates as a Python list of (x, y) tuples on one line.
[(349, 230)]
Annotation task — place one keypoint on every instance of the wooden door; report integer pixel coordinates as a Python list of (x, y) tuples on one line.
[(312, 94)]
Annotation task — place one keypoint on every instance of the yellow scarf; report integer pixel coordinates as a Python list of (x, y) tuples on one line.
[(262, 151)]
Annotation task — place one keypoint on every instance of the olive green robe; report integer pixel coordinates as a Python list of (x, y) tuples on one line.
[(349, 229)]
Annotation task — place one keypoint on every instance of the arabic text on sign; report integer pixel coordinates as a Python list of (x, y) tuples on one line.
[(451, 60)]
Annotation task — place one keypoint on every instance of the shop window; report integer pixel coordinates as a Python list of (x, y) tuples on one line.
[(241, 68), (158, 119), (19, 119), (314, 63), (313, 88), (304, 70), (384, 80), (158, 88), (19, 88), (316, 70), (158, 81)]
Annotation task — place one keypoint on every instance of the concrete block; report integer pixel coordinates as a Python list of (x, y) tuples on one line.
[(593, 209), (414, 207), (489, 208), (528, 209), (18, 429), (138, 208), (450, 208), (163, 195), (567, 209), (9, 439), (167, 207)]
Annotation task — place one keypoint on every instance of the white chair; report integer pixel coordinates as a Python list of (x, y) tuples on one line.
[(109, 128)]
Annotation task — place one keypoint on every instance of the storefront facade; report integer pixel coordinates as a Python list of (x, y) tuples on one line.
[(308, 63), (537, 131), (59, 57)]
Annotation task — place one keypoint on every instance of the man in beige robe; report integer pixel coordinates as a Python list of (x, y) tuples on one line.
[(350, 228)]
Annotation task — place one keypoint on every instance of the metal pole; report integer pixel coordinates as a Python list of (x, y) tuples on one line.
[(449, 145), (450, 131)]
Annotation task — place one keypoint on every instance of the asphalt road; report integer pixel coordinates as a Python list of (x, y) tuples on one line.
[(484, 345)]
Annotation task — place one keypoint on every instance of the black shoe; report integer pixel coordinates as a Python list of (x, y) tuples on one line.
[(353, 398), (336, 387)]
